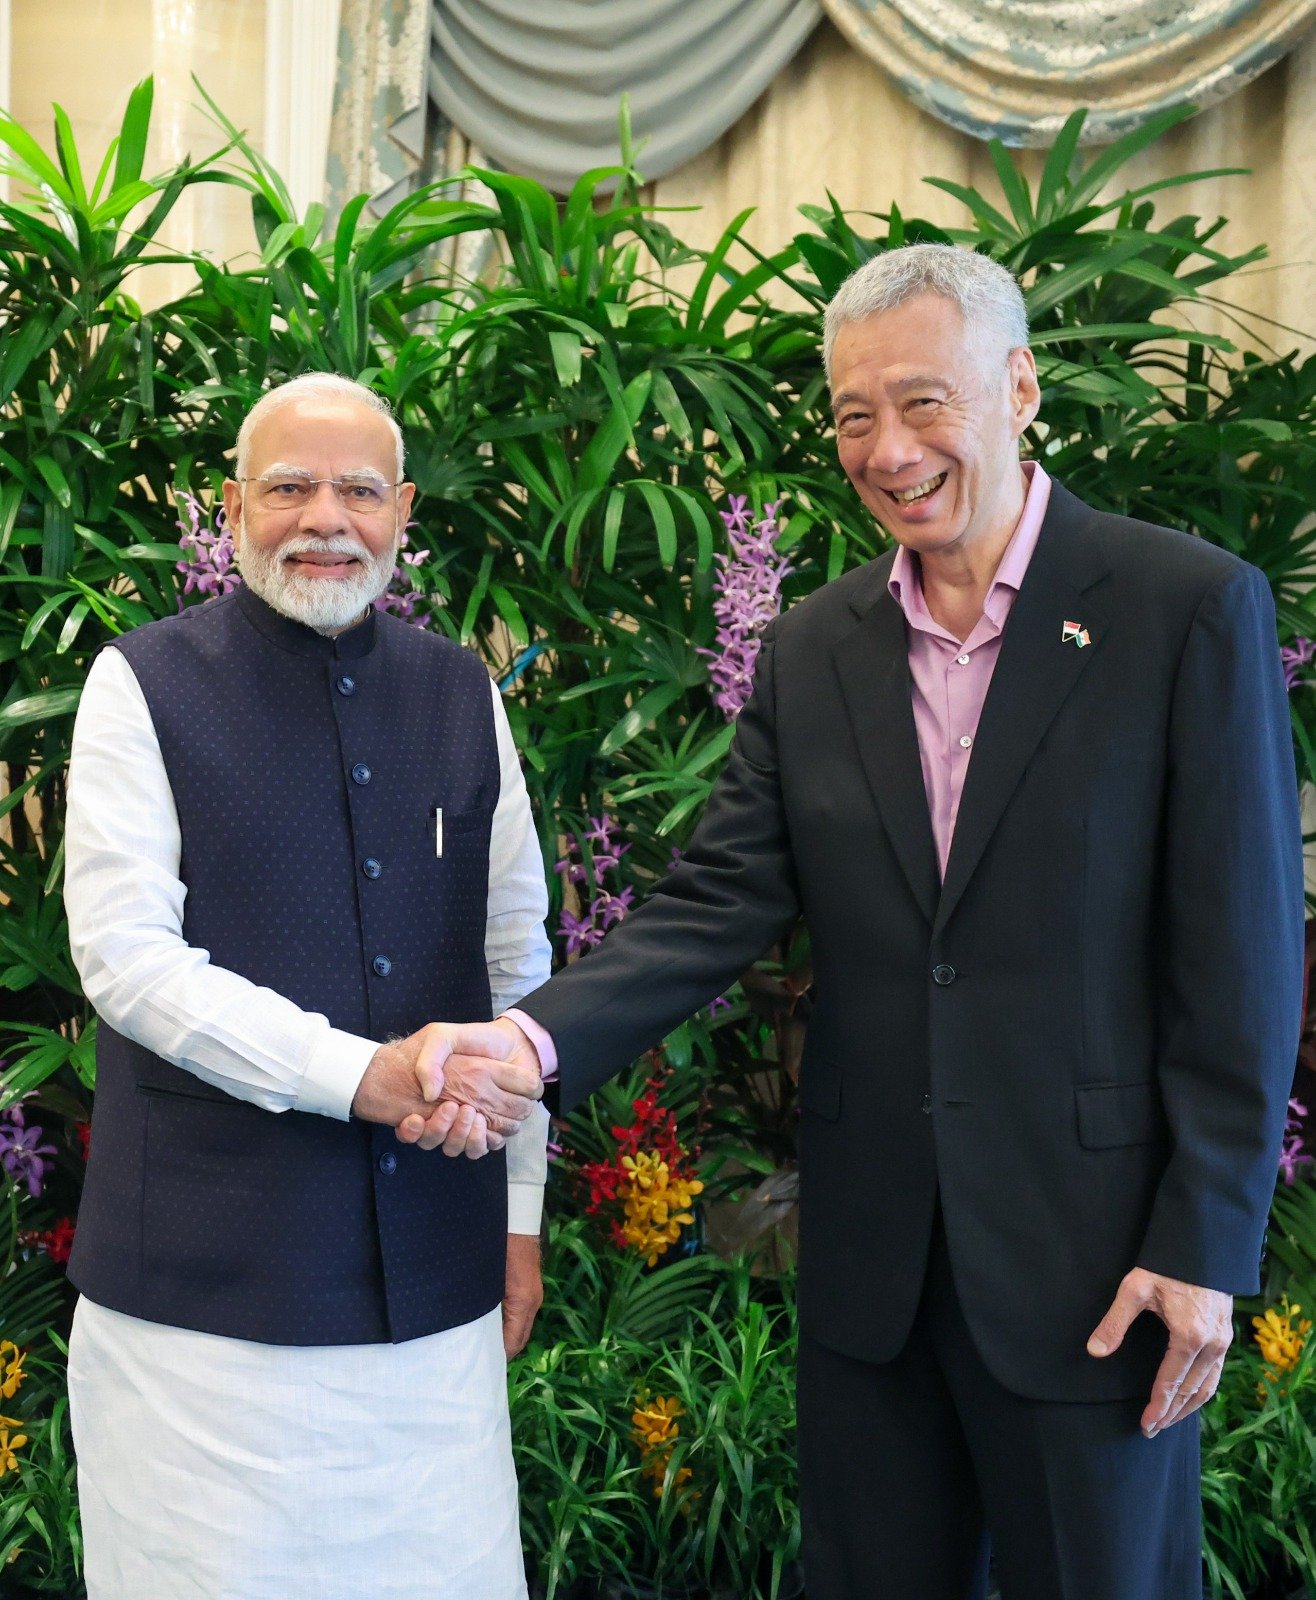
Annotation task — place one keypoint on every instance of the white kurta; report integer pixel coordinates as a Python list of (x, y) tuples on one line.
[(218, 1469)]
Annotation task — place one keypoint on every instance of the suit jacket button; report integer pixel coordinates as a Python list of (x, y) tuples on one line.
[(927, 1105), (346, 685), (943, 974), (382, 965), (388, 1163), (371, 867), (361, 773)]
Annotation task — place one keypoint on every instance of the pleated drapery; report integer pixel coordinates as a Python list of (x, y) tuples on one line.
[(537, 83), (1015, 69)]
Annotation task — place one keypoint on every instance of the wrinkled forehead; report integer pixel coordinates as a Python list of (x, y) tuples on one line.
[(319, 437)]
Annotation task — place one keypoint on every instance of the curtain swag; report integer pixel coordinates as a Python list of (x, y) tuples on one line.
[(537, 83), (1015, 69)]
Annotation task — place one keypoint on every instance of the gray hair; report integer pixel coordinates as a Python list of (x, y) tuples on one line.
[(313, 386), (988, 296)]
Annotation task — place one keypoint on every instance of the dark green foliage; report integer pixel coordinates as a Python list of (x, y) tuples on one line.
[(574, 416)]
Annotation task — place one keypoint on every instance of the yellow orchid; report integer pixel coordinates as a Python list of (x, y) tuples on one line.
[(655, 1429), (656, 1204), (11, 1368), (1280, 1338), (9, 1443)]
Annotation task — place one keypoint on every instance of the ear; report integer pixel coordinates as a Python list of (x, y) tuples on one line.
[(1025, 391), (406, 494), (233, 508)]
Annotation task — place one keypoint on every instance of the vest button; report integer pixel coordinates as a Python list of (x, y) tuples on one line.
[(382, 965), (371, 867), (943, 974), (388, 1163), (361, 773), (346, 685)]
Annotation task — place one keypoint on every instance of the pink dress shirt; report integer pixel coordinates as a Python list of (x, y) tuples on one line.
[(950, 682), (951, 679)]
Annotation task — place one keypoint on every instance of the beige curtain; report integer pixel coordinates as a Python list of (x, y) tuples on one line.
[(833, 120)]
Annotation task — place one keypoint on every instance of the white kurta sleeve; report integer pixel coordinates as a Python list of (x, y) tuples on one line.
[(125, 907), (517, 953)]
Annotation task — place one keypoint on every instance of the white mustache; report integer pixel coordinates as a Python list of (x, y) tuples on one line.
[(324, 547)]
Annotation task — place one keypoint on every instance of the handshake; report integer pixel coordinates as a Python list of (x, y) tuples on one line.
[(464, 1087)]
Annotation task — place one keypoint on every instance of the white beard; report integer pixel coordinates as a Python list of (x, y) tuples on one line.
[(326, 604)]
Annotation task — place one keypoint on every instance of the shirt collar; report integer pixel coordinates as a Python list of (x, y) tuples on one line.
[(351, 645), (905, 582)]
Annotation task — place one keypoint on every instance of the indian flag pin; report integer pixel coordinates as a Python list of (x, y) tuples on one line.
[(1075, 631)]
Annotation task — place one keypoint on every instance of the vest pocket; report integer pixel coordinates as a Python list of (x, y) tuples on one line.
[(1112, 1115)]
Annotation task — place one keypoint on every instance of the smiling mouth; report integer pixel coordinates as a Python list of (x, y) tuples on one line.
[(324, 563), (919, 491)]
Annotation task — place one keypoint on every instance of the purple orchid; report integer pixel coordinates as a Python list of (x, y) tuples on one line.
[(23, 1157), (608, 907), (208, 561), (402, 593), (1293, 658), (748, 598), (1292, 1155)]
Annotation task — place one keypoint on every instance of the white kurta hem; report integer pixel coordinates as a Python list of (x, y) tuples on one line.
[(212, 1468)]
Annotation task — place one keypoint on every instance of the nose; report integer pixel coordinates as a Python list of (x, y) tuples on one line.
[(324, 512), (893, 447)]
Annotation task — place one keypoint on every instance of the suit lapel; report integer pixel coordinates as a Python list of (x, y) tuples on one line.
[(872, 661), (1035, 673)]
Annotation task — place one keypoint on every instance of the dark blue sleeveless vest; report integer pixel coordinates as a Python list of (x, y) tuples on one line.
[(306, 772)]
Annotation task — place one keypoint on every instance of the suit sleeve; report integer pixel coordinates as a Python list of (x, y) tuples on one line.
[(729, 899), (1231, 950)]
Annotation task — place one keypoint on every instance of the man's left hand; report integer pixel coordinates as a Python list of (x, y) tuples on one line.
[(1201, 1324), (524, 1292)]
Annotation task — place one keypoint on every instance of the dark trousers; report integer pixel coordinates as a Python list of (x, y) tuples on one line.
[(913, 1469)]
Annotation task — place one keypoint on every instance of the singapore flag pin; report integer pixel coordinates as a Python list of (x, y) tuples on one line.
[(1075, 631)]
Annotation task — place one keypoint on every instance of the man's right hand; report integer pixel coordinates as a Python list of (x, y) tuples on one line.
[(482, 1059), (480, 1102)]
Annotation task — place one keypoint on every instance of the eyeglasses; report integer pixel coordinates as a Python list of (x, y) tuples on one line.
[(282, 491)]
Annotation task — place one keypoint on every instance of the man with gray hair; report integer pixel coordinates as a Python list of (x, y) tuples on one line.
[(298, 833), (1028, 779)]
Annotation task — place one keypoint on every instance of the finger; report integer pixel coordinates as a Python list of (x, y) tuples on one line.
[(496, 1140), (411, 1128), (1178, 1362), (477, 1144), (435, 1049), (1199, 1385), (1130, 1301), (439, 1123), (519, 1078), (462, 1125)]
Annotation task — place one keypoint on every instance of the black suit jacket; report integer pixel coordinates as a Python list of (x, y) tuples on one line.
[(1083, 1039)]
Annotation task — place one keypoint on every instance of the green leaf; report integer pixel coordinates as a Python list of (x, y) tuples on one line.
[(663, 521), (43, 706), (645, 710), (133, 134), (566, 352), (612, 526)]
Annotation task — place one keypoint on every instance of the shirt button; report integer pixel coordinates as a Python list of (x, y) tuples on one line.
[(966, 740), (371, 867), (943, 974), (361, 773), (346, 685), (962, 661), (382, 965), (927, 1105), (388, 1163)]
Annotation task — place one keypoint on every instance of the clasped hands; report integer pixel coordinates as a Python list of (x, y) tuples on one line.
[(462, 1087)]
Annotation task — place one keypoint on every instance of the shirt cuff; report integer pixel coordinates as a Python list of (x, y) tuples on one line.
[(541, 1039), (334, 1073), (525, 1207)]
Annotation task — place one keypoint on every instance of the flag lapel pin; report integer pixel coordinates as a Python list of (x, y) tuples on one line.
[(1075, 631)]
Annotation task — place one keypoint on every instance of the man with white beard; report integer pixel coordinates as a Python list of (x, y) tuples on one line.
[(297, 832)]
